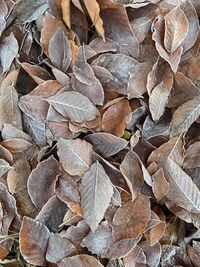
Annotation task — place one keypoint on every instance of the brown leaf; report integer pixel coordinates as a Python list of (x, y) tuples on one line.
[(52, 214), (135, 258), (74, 105), (9, 111), (160, 185), (33, 241), (183, 191), (158, 36), (115, 118), (131, 219), (74, 155), (173, 149), (192, 156), (85, 82), (4, 167), (8, 51), (66, 188), (59, 248), (176, 29), (141, 27), (34, 104), (81, 261), (113, 63), (132, 173), (42, 181), (96, 192), (59, 50), (38, 74), (17, 185), (184, 87), (119, 30), (94, 12), (16, 145), (185, 116), (106, 144), (158, 101), (77, 233), (50, 25)]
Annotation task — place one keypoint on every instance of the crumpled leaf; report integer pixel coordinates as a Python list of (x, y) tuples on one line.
[(96, 192)]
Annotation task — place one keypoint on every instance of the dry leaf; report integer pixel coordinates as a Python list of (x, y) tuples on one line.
[(183, 191), (42, 181), (81, 261), (65, 5), (33, 241), (74, 105), (106, 144), (59, 50), (74, 155), (129, 221), (96, 192), (176, 29)]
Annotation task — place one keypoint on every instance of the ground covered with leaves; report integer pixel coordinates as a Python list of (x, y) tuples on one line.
[(100, 133)]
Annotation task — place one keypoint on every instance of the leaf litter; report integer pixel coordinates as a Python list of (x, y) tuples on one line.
[(99, 121)]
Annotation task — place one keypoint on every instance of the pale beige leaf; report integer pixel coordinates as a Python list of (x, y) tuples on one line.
[(96, 192), (94, 10), (176, 29), (65, 5), (74, 155)]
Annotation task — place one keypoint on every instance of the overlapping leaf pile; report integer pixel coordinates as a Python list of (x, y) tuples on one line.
[(100, 133)]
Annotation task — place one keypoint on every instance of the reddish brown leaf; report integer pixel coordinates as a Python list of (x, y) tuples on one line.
[(81, 261), (131, 219), (33, 240)]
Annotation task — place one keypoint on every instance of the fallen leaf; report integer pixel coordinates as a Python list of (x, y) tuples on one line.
[(65, 5), (106, 144), (42, 181), (59, 50), (96, 192), (160, 185), (184, 116), (129, 221), (74, 105), (74, 155), (176, 29), (33, 240), (81, 261), (8, 51)]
